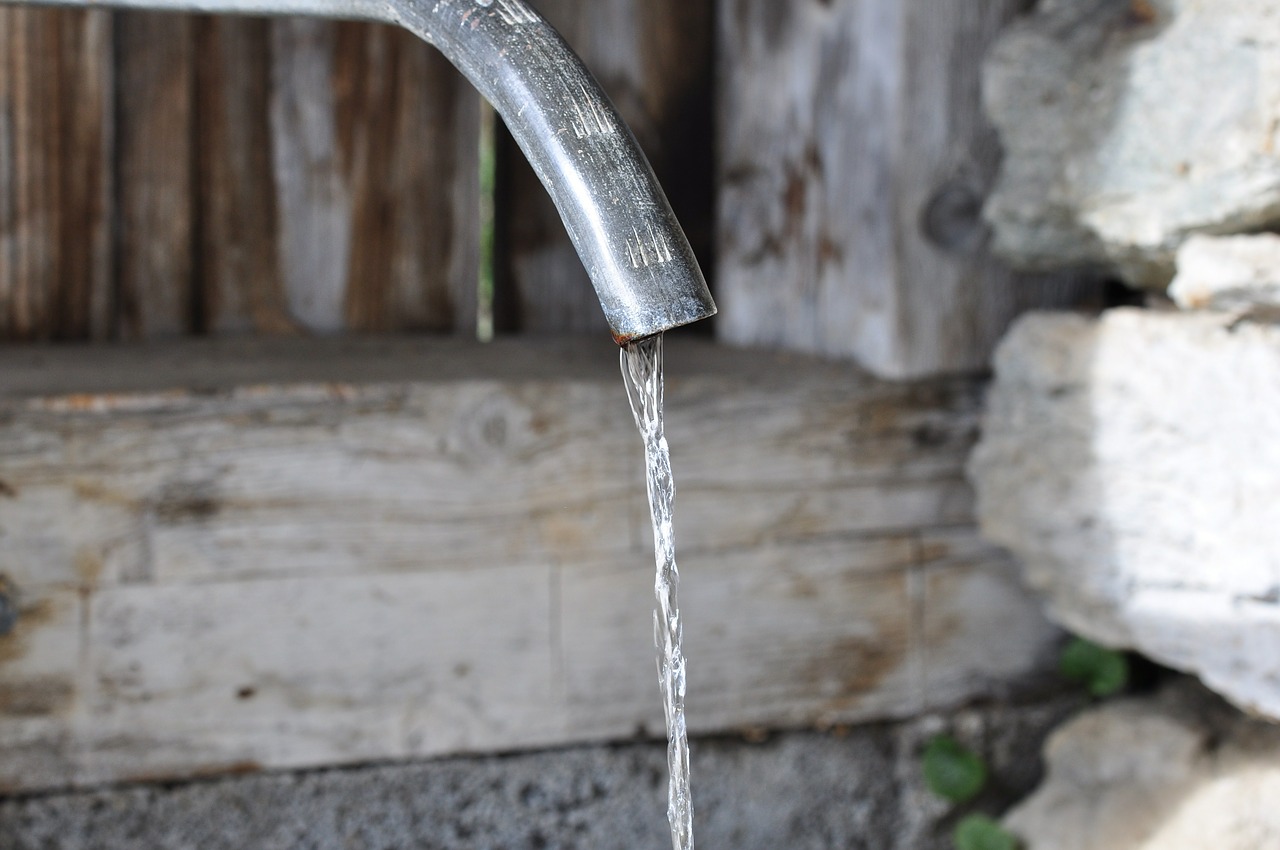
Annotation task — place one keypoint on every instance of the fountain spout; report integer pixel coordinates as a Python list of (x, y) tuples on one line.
[(617, 215), (615, 212)]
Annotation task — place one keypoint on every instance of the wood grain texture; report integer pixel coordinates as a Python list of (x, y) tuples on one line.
[(55, 120), (156, 174), (654, 60), (239, 262), (375, 152), (408, 127), (853, 162), (169, 175), (339, 551)]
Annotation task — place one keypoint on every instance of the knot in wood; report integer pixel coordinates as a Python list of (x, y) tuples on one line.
[(952, 217)]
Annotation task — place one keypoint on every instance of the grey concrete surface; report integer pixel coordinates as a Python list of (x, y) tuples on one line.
[(856, 788)]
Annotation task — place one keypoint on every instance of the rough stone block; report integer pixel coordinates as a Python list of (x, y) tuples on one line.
[(1130, 124), (1238, 273), (1132, 464), (1156, 774)]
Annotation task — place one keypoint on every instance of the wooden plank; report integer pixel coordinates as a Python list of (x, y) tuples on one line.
[(40, 684), (374, 145), (429, 476), (309, 181), (55, 245), (853, 161), (979, 623), (818, 458), (655, 61), (343, 550), (238, 241), (416, 477), (408, 132), (272, 175), (233, 677), (774, 635), (156, 167)]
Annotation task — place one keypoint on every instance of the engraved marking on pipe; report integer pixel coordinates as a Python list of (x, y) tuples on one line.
[(660, 245), (638, 251), (591, 118), (515, 13), (601, 122), (651, 252), (580, 128)]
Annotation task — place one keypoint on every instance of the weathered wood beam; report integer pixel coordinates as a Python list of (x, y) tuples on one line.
[(276, 553)]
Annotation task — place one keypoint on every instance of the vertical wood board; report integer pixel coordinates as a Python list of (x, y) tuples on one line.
[(156, 172), (375, 154), (163, 175), (239, 261), (55, 173), (853, 160)]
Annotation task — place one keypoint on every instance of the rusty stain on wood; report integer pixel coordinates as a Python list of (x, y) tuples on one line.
[(7, 490), (243, 767), (1143, 12), (855, 666), (36, 696)]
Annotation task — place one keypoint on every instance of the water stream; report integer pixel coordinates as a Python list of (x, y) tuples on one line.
[(642, 374)]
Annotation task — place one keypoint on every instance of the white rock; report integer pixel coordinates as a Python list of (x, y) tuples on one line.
[(1149, 775), (1228, 273), (1130, 124), (1132, 464)]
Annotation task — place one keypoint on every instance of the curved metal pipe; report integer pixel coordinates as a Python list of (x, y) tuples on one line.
[(617, 215)]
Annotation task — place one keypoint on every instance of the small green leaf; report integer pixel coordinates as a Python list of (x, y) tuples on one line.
[(951, 771), (979, 832), (1103, 671)]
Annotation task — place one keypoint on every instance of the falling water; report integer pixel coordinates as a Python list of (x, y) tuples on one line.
[(642, 374)]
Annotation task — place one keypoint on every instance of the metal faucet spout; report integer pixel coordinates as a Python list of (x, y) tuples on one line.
[(617, 215)]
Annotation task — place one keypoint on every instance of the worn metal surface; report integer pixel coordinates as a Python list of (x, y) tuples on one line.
[(617, 215)]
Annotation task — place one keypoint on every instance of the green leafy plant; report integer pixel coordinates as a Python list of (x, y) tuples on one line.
[(979, 832), (1102, 671), (951, 771)]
